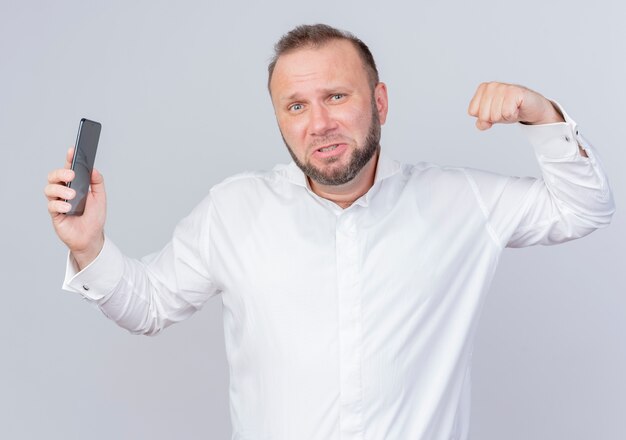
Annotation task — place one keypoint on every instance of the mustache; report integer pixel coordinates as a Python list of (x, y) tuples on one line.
[(329, 140)]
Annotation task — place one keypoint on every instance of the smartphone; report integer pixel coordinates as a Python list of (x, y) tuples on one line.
[(82, 163)]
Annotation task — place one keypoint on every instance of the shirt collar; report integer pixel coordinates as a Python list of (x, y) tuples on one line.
[(386, 167)]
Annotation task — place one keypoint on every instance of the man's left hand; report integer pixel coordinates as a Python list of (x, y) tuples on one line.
[(496, 102)]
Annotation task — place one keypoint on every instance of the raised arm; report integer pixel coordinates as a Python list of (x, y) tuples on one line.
[(143, 296), (570, 200)]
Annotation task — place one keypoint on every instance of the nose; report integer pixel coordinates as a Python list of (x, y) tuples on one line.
[(321, 120)]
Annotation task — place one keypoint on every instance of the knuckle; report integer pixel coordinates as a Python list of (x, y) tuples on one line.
[(510, 91), (507, 115)]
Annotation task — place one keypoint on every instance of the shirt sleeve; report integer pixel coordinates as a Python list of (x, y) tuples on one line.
[(145, 296), (571, 199)]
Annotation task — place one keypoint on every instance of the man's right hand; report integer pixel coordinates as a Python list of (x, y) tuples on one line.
[(84, 234)]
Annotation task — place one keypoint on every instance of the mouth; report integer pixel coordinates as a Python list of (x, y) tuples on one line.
[(328, 148), (330, 151)]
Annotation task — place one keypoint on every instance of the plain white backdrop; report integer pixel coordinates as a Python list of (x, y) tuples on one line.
[(180, 89)]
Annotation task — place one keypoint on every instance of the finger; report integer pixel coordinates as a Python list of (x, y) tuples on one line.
[(495, 113), (69, 157), (510, 108), (56, 191), (61, 175), (474, 104), (483, 125), (484, 111), (58, 207)]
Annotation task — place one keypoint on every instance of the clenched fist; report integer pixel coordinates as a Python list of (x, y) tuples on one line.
[(496, 102)]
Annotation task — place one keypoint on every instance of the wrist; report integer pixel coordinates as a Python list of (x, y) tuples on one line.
[(84, 257), (551, 115)]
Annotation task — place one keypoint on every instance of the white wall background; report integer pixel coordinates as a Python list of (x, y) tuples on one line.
[(180, 90)]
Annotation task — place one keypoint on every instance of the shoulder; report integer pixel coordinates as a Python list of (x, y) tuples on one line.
[(250, 179), (251, 187), (434, 174), (448, 174), (454, 185)]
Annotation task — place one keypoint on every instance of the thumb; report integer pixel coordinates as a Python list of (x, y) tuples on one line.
[(97, 182)]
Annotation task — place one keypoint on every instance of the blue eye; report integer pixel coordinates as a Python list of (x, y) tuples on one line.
[(295, 107), (337, 96)]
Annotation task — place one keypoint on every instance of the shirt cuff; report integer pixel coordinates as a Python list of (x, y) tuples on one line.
[(100, 277), (558, 140)]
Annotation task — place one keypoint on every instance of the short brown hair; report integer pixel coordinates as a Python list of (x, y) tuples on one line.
[(316, 36)]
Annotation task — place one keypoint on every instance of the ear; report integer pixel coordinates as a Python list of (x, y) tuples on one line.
[(382, 101)]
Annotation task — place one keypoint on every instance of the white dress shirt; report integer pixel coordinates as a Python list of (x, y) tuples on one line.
[(352, 323)]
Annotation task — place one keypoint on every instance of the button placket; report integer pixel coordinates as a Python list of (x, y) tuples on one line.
[(350, 331)]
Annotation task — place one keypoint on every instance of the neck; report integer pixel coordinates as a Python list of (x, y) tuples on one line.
[(346, 194)]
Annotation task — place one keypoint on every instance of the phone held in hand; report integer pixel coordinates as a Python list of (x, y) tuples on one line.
[(82, 164)]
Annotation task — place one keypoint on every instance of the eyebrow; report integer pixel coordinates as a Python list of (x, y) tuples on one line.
[(326, 91), (291, 97)]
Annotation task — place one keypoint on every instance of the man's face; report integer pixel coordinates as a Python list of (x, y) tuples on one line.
[(326, 111)]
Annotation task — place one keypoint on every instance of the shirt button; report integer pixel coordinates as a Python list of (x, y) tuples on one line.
[(85, 287), (566, 138)]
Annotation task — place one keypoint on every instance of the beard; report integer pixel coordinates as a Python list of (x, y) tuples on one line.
[(360, 157)]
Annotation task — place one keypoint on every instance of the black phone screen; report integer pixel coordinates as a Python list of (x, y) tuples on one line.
[(82, 164)]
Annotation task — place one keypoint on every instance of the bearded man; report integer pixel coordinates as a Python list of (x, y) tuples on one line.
[(351, 283)]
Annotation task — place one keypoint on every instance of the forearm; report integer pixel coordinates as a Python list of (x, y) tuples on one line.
[(573, 198), (117, 285), (133, 293)]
